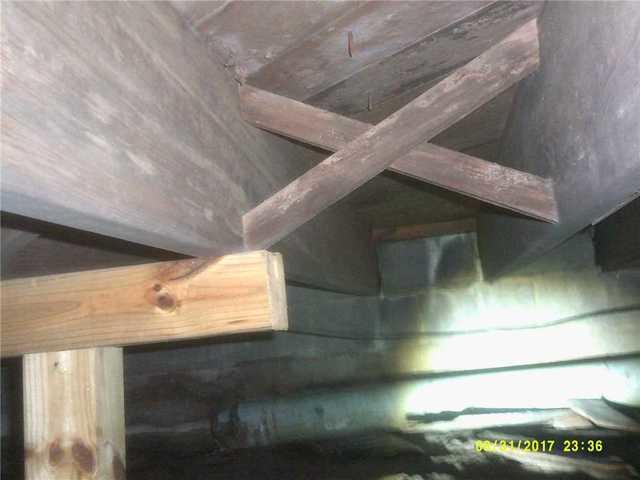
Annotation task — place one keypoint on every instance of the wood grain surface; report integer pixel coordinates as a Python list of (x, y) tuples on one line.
[(110, 125), (74, 425), (359, 37), (369, 154), (144, 304), (472, 176)]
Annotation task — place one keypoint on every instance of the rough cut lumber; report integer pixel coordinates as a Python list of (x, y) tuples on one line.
[(413, 68), (487, 181), (110, 125), (249, 35), (378, 30), (143, 304), (74, 425), (369, 154), (576, 121)]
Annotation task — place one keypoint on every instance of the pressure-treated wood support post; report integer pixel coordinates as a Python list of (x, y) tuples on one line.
[(74, 399), (74, 415)]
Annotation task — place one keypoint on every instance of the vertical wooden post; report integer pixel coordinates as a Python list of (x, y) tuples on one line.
[(74, 415)]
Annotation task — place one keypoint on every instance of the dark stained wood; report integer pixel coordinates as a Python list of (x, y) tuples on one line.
[(490, 182), (248, 35), (577, 121), (378, 30), (414, 67), (484, 125), (110, 125), (369, 154), (486, 181)]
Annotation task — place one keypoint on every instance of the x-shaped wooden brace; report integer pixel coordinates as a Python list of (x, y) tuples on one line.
[(363, 151)]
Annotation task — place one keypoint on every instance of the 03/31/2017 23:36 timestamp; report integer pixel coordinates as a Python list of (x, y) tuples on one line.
[(535, 445)]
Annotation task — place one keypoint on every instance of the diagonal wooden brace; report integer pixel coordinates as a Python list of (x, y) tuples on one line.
[(369, 154), (489, 182)]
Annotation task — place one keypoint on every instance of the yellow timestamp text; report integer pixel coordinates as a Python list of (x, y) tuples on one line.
[(544, 446)]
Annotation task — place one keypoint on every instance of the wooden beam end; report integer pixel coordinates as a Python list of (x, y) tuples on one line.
[(277, 292)]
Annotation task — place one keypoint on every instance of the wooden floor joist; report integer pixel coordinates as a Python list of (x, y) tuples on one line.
[(390, 79), (490, 182), (317, 62), (434, 111), (176, 174), (575, 121), (74, 424), (144, 304)]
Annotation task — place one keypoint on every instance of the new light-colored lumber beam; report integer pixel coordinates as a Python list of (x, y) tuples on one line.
[(74, 415), (369, 154), (490, 182), (144, 304)]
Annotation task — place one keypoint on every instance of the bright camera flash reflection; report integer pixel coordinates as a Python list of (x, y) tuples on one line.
[(531, 388)]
